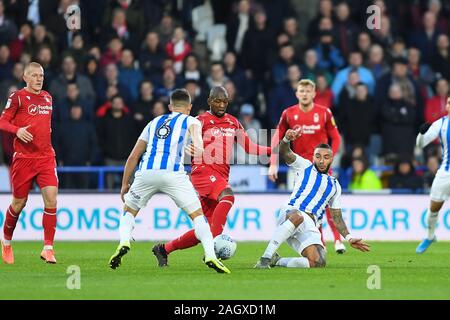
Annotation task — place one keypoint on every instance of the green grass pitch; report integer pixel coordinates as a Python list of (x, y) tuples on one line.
[(404, 274)]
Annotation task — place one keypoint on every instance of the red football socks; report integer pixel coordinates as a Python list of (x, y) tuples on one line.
[(10, 223), (49, 224), (219, 217)]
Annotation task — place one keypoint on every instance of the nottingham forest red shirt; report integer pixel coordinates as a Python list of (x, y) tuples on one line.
[(219, 136), (317, 126), (24, 108)]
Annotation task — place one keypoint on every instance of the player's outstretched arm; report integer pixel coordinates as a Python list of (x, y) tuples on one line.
[(428, 133), (342, 228), (285, 150), (130, 165)]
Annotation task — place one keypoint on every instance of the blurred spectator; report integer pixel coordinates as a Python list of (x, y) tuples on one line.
[(177, 49), (397, 50), (165, 29), (129, 75), (77, 50), (421, 73), (355, 63), (356, 118), (169, 84), (216, 76), (432, 166), (441, 59), (16, 80), (324, 95), (384, 36), (442, 23), (310, 68), (325, 10), (192, 70), (63, 110), (113, 52), (76, 146), (283, 95), (111, 78), (235, 73), (117, 135), (405, 176), (236, 100), (286, 57), (120, 27), (397, 126), (152, 56), (8, 29), (43, 38), (23, 41), (348, 91), (328, 55), (357, 151), (6, 64), (252, 127), (426, 38), (131, 17), (364, 44), (198, 97), (296, 38), (45, 58), (58, 86), (398, 75), (238, 26), (436, 106), (142, 109), (92, 71), (376, 62), (256, 60), (346, 29), (363, 178)]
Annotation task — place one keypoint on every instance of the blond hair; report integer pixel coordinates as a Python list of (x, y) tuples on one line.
[(306, 82), (31, 65)]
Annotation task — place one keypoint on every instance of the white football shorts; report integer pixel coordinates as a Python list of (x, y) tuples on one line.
[(440, 189), (175, 184)]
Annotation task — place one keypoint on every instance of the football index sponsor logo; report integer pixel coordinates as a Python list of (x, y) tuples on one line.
[(38, 109)]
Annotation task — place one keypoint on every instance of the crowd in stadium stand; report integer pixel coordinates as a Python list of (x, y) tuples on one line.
[(115, 74)]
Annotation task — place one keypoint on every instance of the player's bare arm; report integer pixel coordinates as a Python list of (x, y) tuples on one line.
[(24, 135), (342, 228), (196, 147), (285, 149), (132, 161)]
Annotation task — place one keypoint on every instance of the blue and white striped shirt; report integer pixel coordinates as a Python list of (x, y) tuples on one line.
[(313, 190), (439, 128), (166, 137)]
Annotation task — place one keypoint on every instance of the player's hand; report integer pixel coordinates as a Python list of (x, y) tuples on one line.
[(291, 134), (273, 173), (424, 128), (190, 150), (24, 135), (124, 190), (360, 245)]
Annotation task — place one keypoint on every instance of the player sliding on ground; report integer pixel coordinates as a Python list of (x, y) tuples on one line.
[(297, 225), (210, 173), (440, 189), (161, 170)]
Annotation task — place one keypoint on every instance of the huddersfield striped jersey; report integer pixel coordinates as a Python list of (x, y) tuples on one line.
[(313, 190), (439, 128), (166, 137)]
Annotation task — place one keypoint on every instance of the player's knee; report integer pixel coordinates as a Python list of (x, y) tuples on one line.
[(227, 194), (318, 260), (18, 204), (295, 218)]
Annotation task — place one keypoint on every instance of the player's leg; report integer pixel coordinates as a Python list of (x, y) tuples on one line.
[(307, 243), (181, 190), (144, 186), (440, 191), (338, 245), (286, 229), (22, 175), (432, 217), (220, 213), (187, 240), (47, 180)]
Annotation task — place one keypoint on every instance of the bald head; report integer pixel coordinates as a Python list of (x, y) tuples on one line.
[(33, 76), (218, 92)]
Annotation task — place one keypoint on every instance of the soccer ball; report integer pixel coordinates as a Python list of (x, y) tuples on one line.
[(224, 246)]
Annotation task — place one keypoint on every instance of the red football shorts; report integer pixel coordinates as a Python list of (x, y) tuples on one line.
[(24, 171), (208, 183)]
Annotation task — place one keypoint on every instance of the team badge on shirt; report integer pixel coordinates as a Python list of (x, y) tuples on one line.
[(316, 117)]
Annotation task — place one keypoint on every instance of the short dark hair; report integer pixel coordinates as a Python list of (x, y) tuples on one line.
[(180, 97), (323, 146)]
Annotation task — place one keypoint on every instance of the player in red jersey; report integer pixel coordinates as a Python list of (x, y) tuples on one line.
[(210, 174), (28, 114), (317, 125)]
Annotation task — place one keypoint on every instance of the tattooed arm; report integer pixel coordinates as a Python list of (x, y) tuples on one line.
[(342, 228)]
